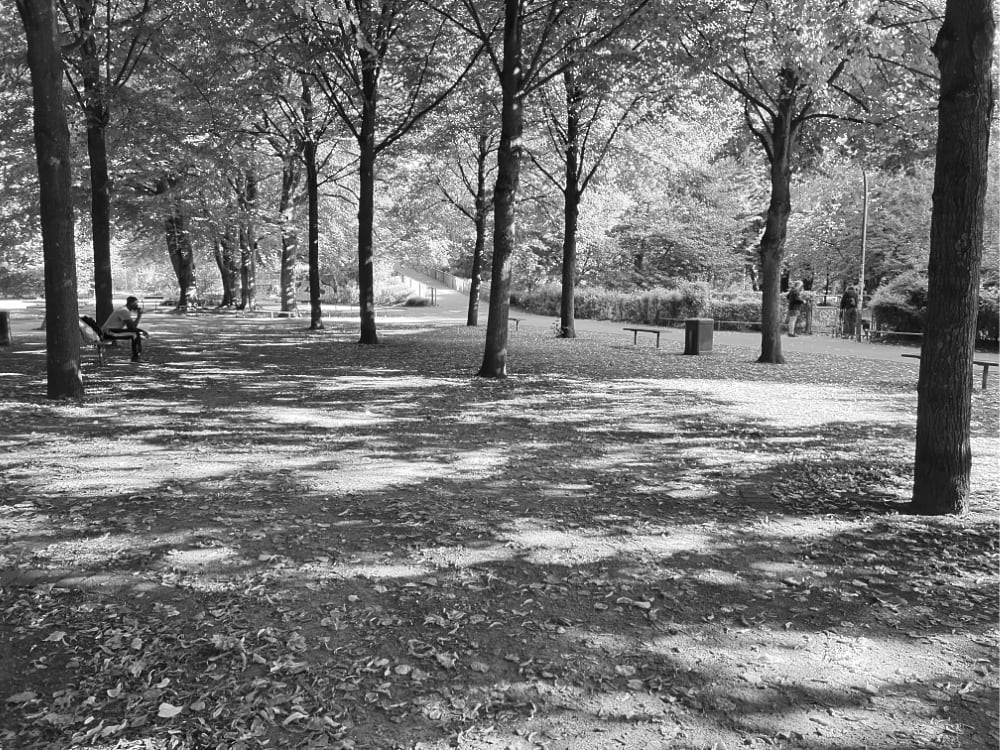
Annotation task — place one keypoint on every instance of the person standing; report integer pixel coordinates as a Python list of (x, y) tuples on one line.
[(120, 325), (849, 312), (795, 303)]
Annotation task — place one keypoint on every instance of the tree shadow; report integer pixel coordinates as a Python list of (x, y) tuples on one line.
[(399, 552)]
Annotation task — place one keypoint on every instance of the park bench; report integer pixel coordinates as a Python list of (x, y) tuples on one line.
[(984, 363), (637, 330), (516, 321), (92, 335)]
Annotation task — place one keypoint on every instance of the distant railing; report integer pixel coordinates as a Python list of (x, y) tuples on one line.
[(423, 290), (453, 282)]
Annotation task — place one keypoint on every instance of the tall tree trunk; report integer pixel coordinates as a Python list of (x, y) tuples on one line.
[(52, 147), (567, 302), (312, 194), (248, 274), (571, 208), (964, 49), (366, 203), (504, 196), (181, 255), (476, 282), (248, 241), (96, 112), (772, 244), (481, 216), (289, 238), (312, 190), (220, 263), (225, 259)]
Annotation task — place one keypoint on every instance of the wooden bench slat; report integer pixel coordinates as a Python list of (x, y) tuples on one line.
[(985, 364), (636, 330)]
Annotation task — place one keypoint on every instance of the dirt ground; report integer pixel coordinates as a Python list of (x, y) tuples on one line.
[(269, 537)]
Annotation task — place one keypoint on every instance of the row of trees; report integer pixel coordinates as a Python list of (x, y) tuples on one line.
[(204, 99)]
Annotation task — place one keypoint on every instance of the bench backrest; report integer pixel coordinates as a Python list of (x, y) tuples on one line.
[(89, 330)]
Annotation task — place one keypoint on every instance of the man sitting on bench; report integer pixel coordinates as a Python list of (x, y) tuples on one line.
[(120, 325)]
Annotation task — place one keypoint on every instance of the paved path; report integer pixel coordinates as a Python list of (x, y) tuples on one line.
[(453, 306)]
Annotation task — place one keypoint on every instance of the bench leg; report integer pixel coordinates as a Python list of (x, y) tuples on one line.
[(657, 339), (986, 371), (635, 337)]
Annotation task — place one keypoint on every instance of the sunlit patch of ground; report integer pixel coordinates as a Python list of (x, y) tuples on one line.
[(369, 548)]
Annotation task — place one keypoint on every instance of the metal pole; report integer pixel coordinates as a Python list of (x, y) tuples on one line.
[(864, 247)]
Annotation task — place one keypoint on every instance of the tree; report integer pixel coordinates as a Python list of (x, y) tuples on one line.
[(825, 230), (468, 135), (62, 333), (598, 98), (791, 64), (964, 50), (98, 65), (383, 67), (529, 53), (296, 128)]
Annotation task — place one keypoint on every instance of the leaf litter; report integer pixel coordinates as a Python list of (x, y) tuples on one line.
[(616, 547)]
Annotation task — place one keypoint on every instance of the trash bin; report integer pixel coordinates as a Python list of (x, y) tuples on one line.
[(698, 335), (5, 338)]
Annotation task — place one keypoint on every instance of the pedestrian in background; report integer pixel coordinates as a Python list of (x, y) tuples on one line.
[(795, 303), (849, 312)]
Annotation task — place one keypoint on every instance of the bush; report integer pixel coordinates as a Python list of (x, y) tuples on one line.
[(542, 300), (654, 307), (901, 304), (22, 282), (744, 309)]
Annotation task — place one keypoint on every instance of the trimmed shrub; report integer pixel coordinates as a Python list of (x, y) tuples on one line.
[(744, 309), (901, 304), (653, 307), (541, 300)]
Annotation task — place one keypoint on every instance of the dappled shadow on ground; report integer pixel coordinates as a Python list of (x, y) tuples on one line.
[(268, 535)]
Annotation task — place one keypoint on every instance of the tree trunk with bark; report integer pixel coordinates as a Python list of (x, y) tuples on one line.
[(248, 241), (225, 259), (97, 115), (290, 174), (366, 203), (504, 196), (52, 147), (571, 208), (479, 219), (312, 196), (181, 255), (248, 271), (772, 244), (964, 49), (476, 282), (567, 301), (312, 191)]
